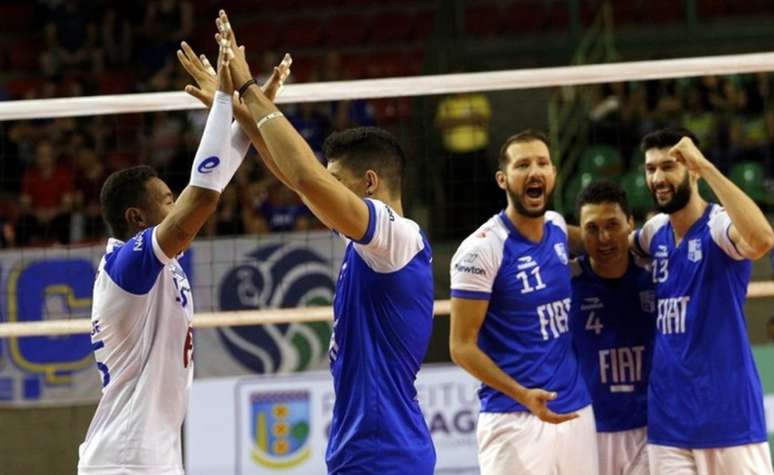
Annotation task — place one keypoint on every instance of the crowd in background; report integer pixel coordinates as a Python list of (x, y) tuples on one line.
[(52, 170)]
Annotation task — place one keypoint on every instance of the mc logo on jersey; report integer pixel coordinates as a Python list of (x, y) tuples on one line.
[(694, 250), (280, 428), (561, 252)]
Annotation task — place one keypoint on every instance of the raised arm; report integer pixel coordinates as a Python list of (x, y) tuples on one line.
[(750, 231), (210, 173), (333, 203), (467, 316)]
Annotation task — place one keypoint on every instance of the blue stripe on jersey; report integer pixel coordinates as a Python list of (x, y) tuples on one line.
[(369, 234), (382, 328), (704, 390), (470, 294), (612, 323), (133, 266), (526, 328)]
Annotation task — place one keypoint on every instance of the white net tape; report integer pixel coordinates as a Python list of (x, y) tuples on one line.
[(407, 86), (370, 89)]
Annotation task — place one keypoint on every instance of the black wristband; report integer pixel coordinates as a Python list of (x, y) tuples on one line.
[(244, 86)]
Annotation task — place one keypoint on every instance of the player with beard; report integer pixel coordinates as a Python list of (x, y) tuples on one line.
[(510, 289), (705, 401)]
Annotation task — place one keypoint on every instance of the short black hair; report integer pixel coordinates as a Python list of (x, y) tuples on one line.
[(603, 191), (664, 138), (124, 189), (526, 135), (363, 148)]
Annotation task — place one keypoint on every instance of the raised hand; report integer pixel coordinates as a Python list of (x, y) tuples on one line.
[(202, 72), (240, 71), (206, 79), (225, 55), (536, 400), (688, 153)]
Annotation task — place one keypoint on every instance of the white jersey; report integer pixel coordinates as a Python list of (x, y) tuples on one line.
[(142, 340)]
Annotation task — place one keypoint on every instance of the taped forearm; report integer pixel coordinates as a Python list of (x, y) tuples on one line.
[(211, 167)]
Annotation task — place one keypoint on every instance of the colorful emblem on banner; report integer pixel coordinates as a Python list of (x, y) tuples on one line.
[(280, 428)]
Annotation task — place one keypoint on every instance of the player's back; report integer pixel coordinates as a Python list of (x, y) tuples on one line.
[(383, 321), (141, 335)]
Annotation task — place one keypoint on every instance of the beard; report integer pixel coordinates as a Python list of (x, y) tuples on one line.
[(680, 197), (517, 203)]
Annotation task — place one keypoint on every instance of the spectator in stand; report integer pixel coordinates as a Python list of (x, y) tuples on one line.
[(344, 114), (72, 40), (89, 176), (167, 23), (282, 210), (116, 34), (46, 199)]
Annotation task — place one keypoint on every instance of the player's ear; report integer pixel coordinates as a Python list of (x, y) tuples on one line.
[(500, 178), (135, 217), (372, 182)]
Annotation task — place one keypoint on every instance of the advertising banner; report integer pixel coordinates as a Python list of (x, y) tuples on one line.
[(280, 423)]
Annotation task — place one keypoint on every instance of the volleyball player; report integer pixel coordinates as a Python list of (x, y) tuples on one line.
[(383, 304), (612, 324), (510, 294), (142, 305), (705, 401)]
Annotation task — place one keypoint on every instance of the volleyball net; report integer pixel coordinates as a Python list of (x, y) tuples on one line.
[(264, 260)]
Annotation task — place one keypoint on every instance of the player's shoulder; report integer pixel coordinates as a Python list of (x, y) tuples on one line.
[(555, 219), (655, 223), (491, 234)]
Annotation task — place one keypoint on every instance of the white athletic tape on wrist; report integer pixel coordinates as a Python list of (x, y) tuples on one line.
[(209, 170)]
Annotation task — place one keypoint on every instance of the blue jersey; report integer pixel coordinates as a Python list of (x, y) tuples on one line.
[(383, 317), (612, 323), (526, 327), (704, 389)]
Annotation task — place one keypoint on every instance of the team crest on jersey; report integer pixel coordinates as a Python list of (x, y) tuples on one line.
[(280, 428), (648, 301), (694, 250), (561, 252)]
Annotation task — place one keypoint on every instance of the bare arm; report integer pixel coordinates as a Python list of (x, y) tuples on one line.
[(750, 230), (192, 209), (332, 202), (467, 316)]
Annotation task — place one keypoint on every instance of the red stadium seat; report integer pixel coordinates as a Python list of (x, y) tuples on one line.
[(304, 32), (525, 16), (391, 27), (347, 30), (16, 17), (424, 24), (23, 55), (18, 88), (482, 20), (116, 82)]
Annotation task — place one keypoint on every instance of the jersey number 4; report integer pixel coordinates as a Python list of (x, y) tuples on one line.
[(524, 276), (593, 324)]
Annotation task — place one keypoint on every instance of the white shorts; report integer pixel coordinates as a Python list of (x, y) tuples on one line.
[(750, 459), (624, 452), (520, 443)]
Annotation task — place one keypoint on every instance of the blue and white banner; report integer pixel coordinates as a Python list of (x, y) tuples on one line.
[(280, 423), (256, 272)]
